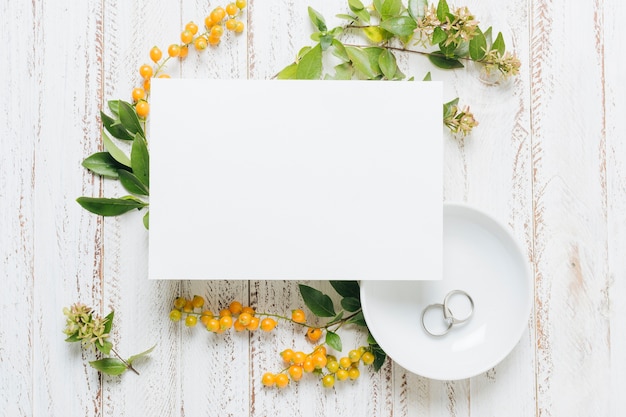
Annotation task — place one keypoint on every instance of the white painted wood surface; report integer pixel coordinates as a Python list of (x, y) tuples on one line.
[(548, 159)]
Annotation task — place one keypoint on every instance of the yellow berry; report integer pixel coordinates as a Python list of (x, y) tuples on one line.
[(239, 26), (138, 94), (184, 50), (298, 316), (245, 318), (248, 310), (217, 31), (231, 24), (205, 317), (142, 108), (155, 54), (296, 372), (235, 307), (191, 321), (173, 50), (145, 71), (332, 366), (200, 43), (217, 14), (345, 362), (231, 9), (354, 355), (354, 373), (308, 365), (282, 380), (191, 27), (314, 334), (239, 327), (241, 4), (368, 358), (186, 36), (254, 323), (164, 76), (287, 355), (197, 301), (268, 379), (214, 40), (146, 84), (226, 322), (342, 374), (213, 325), (268, 324), (328, 381), (299, 357), (319, 361), (208, 22), (175, 315), (225, 312), (180, 302)]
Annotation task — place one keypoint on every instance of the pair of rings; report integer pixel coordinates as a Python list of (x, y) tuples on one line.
[(449, 318)]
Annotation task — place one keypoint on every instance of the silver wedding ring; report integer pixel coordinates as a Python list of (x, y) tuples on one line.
[(449, 319)]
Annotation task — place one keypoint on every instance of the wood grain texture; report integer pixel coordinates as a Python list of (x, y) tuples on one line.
[(548, 159)]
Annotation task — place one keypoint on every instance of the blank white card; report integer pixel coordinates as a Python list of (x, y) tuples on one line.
[(295, 180)]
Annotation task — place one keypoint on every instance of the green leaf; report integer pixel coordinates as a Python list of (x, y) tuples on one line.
[(140, 355), (115, 152), (498, 44), (317, 19), (109, 366), (399, 26), (303, 51), (342, 72), (439, 60), (102, 163), (358, 319), (442, 10), (438, 36), (140, 160), (347, 288), (73, 338), (344, 16), (114, 106), (379, 359), (355, 5), (335, 319), (146, 220), (333, 340), (478, 46), (319, 303), (448, 108), (128, 117), (340, 51), (132, 184), (350, 304), (108, 324), (427, 77), (115, 128), (310, 66), (288, 73), (390, 8), (387, 64), (448, 50), (488, 33), (104, 347), (361, 61), (326, 41), (417, 8), (374, 33), (110, 206), (371, 340)]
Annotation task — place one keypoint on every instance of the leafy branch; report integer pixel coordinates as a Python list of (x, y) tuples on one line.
[(93, 331)]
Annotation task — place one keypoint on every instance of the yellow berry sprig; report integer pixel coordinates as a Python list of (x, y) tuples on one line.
[(327, 367), (214, 23)]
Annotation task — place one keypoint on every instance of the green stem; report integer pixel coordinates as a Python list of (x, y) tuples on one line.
[(128, 365)]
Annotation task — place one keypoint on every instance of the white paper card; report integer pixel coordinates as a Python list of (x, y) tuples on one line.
[(295, 180)]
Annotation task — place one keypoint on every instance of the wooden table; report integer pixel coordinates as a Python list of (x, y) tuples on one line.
[(547, 159)]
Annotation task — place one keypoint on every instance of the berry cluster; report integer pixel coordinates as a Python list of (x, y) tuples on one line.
[(327, 367), (234, 316), (220, 17)]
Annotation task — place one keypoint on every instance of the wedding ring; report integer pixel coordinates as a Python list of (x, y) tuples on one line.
[(447, 313), (426, 329), (448, 317)]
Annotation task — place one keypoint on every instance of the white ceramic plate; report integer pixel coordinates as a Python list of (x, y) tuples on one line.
[(481, 257)]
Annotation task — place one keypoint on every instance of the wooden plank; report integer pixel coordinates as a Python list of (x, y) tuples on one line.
[(19, 126), (66, 239), (141, 307), (615, 106), (570, 215)]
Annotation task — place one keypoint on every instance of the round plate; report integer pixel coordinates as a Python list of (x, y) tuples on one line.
[(480, 257)]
